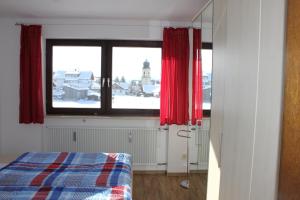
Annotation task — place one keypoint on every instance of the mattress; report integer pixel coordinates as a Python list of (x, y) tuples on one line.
[(66, 175)]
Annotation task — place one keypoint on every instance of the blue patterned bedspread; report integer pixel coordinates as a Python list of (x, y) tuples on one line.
[(64, 193), (66, 175)]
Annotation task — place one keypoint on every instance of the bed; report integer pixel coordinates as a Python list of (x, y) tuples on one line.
[(67, 175)]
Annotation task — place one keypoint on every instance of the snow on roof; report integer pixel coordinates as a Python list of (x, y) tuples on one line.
[(58, 92), (150, 88), (92, 93), (122, 85), (71, 78), (72, 72), (86, 75), (95, 86), (59, 75), (75, 87), (135, 82)]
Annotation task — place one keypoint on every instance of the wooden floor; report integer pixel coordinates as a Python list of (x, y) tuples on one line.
[(163, 187)]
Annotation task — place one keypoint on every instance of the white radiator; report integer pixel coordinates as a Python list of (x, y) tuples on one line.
[(148, 146), (141, 143), (202, 141)]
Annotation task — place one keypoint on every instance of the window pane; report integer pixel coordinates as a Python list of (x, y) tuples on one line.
[(136, 73), (207, 70), (76, 77)]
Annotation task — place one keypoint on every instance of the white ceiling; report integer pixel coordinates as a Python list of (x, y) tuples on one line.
[(173, 10)]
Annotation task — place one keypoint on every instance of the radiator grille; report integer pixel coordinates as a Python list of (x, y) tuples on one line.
[(147, 145), (202, 140), (139, 142)]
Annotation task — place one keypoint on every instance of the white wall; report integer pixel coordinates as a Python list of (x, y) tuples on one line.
[(14, 137), (249, 41), (17, 138)]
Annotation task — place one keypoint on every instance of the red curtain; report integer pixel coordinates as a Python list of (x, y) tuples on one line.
[(174, 82), (197, 99), (31, 97)]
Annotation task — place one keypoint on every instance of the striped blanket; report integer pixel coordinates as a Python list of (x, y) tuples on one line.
[(63, 193), (66, 175)]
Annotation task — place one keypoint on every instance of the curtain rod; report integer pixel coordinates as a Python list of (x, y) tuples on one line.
[(161, 26), (20, 24)]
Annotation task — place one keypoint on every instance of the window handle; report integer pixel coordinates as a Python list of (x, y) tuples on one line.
[(103, 82), (108, 82)]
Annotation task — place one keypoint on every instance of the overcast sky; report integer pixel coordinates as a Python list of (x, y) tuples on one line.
[(127, 61), (77, 58)]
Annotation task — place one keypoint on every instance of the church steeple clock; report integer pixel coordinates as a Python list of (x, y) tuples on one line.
[(146, 77)]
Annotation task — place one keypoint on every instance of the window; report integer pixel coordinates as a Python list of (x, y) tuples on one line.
[(76, 74), (206, 54), (103, 77), (136, 73)]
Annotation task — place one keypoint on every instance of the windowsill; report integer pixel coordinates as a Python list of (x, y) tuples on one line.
[(102, 117), (106, 117), (103, 121), (206, 115)]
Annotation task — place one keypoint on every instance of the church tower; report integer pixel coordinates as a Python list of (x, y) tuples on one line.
[(146, 78)]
